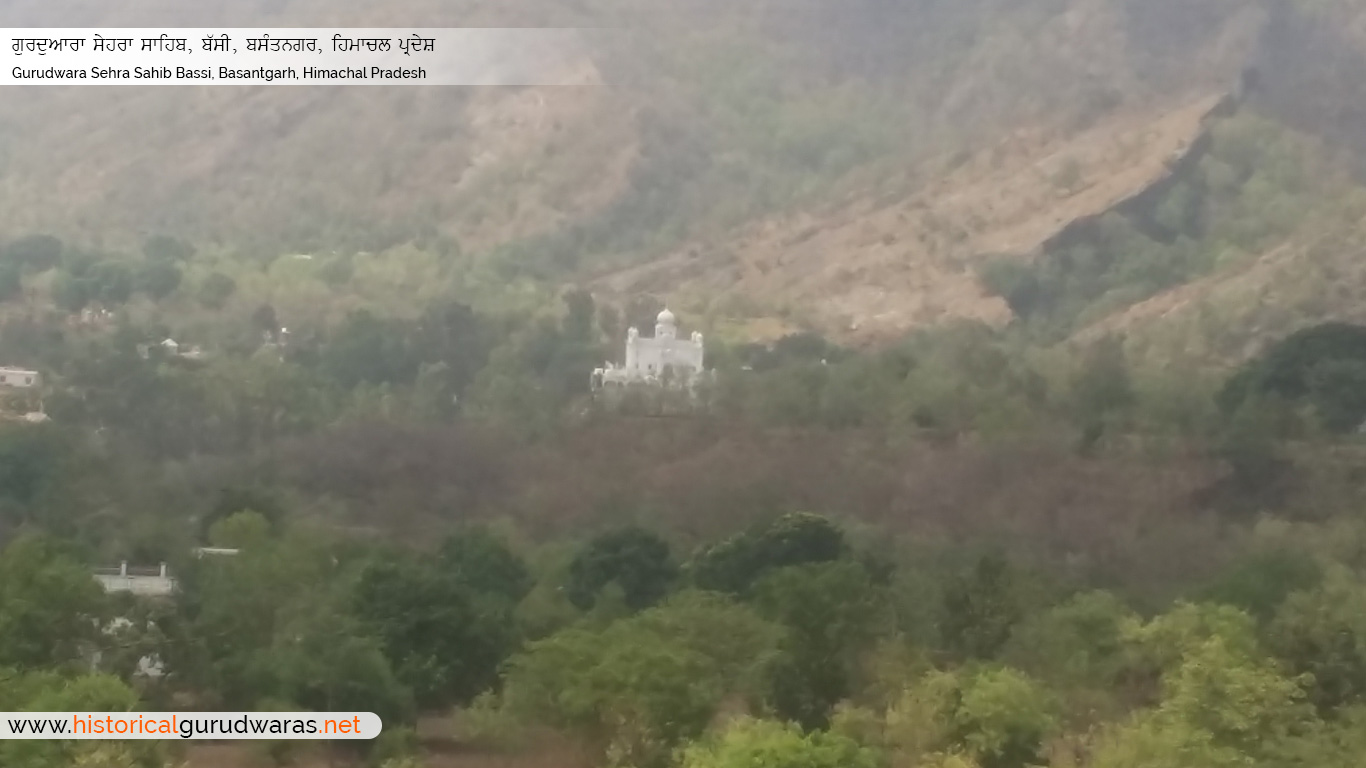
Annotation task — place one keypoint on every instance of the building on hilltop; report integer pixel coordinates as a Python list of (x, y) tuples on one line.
[(664, 361)]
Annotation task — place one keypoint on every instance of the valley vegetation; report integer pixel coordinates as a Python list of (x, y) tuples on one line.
[(1122, 527)]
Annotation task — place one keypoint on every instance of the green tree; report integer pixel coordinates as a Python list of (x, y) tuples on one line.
[(1220, 707), (643, 684), (833, 612), (234, 612), (216, 289), (980, 609), (1322, 632), (1339, 744), (507, 392), (1321, 365), (580, 311), (1337, 390), (158, 279), (1258, 583), (324, 661), (1250, 443), (337, 270), (70, 292), (444, 638), (32, 462), (366, 349), (1077, 643), (110, 282), (995, 717), (245, 529), (1102, 387), (636, 560), (234, 499), (795, 539), (483, 561), (53, 692), (749, 743), (165, 249), (50, 606), (1003, 718), (451, 334), (1179, 211), (263, 319), (11, 281), (1160, 646), (435, 398), (1017, 282), (38, 252), (1155, 650)]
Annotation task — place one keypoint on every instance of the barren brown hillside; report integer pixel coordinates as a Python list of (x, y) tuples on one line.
[(875, 268), (1230, 316)]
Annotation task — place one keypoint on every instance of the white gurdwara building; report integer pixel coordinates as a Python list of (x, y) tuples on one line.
[(665, 360)]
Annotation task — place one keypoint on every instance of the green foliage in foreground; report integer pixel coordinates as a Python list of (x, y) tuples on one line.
[(1321, 633), (646, 683), (768, 744), (53, 692), (50, 608), (832, 612), (795, 670), (446, 623)]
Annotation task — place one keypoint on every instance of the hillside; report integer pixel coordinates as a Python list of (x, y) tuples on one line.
[(1028, 432), (728, 132), (855, 169), (877, 267)]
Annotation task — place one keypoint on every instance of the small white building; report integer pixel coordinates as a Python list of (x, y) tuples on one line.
[(146, 582), (21, 378), (664, 360)]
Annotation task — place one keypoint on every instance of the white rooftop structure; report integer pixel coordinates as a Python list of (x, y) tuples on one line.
[(19, 377), (664, 359), (144, 582)]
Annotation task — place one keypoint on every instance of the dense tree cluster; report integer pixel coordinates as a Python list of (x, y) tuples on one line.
[(305, 619)]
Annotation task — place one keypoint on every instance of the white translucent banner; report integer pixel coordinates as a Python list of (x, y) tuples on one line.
[(189, 725), (119, 56)]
